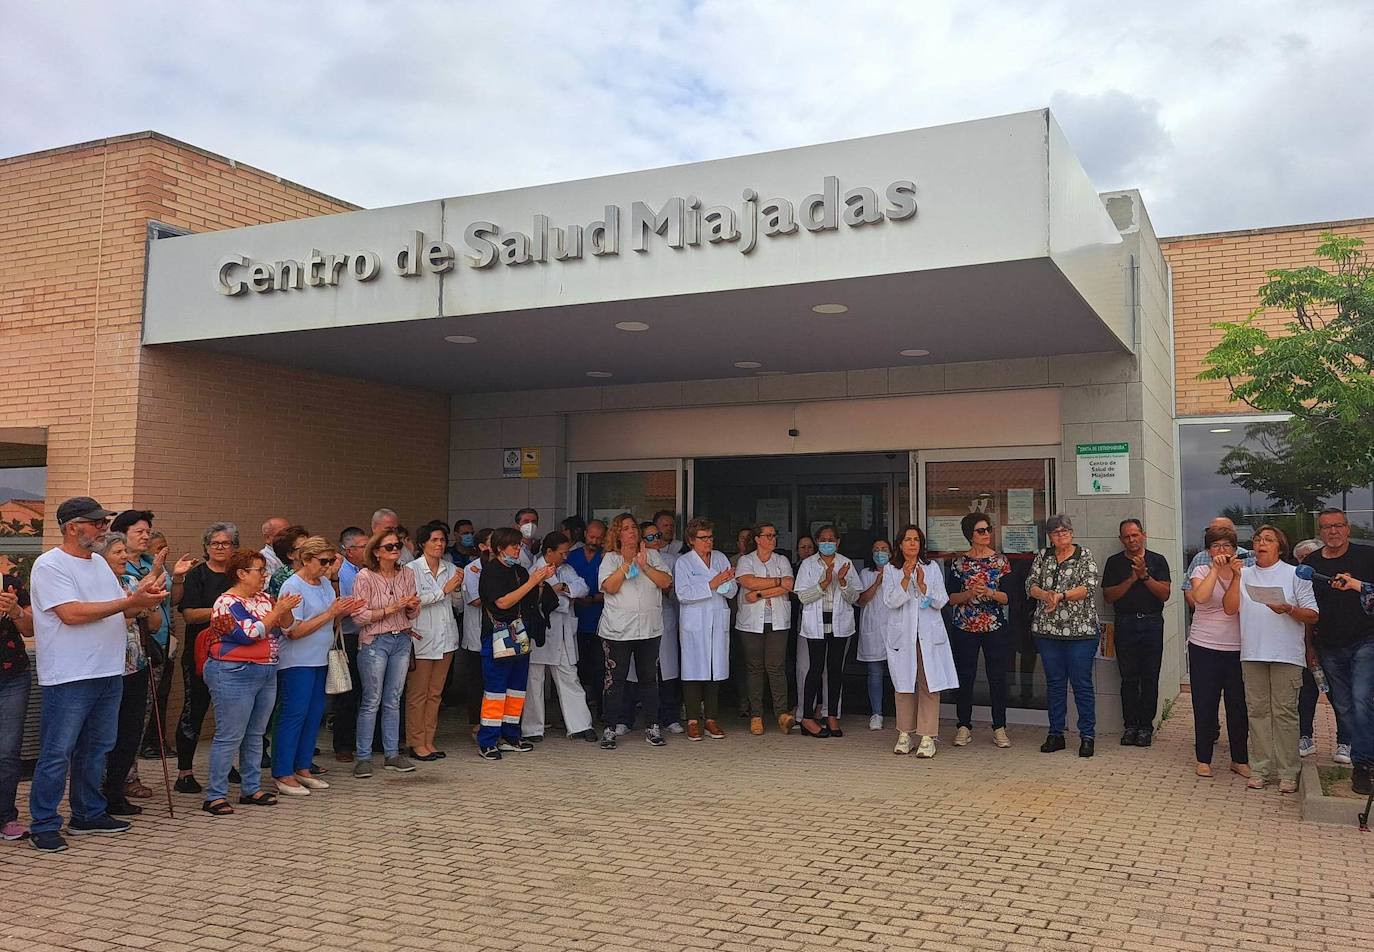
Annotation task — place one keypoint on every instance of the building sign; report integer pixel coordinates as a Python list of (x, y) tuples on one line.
[(682, 222), (1104, 469), (520, 462)]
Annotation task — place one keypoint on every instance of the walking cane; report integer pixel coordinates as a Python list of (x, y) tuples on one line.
[(161, 745)]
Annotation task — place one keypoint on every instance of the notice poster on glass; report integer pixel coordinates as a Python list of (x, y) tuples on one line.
[(1020, 506), (1019, 538), (943, 534)]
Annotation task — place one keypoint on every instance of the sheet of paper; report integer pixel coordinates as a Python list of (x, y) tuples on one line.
[(944, 535), (1266, 594), (1019, 538), (1020, 506)]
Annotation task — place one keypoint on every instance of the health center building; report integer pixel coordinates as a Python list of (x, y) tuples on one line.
[(902, 328)]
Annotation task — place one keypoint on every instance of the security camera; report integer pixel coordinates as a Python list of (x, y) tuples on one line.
[(794, 432)]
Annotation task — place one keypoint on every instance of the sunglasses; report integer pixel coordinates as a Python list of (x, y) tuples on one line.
[(324, 563), (652, 537), (391, 546), (981, 530)]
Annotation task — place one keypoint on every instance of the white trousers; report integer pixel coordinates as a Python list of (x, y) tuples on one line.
[(571, 699)]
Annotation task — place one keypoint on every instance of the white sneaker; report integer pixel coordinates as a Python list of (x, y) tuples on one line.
[(621, 730), (903, 743), (1306, 747), (927, 748), (675, 728), (1342, 754), (962, 737), (875, 723), (1000, 738)]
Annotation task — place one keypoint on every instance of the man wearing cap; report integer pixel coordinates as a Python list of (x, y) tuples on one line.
[(79, 611)]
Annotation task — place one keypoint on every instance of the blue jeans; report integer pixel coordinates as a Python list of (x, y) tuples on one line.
[(243, 695), (1350, 673), (300, 707), (14, 704), (1069, 662), (383, 665), (77, 731), (877, 670)]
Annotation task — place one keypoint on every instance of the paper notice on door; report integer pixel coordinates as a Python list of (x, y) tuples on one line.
[(943, 534), (1267, 594), (1019, 538), (1020, 506)]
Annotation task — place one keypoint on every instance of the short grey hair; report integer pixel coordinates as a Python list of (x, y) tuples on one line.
[(216, 528), (1306, 547), (350, 537), (381, 514), (1058, 521), (107, 541)]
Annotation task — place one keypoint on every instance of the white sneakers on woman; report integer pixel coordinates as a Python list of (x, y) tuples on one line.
[(875, 722), (1000, 738), (926, 749), (903, 743), (962, 737)]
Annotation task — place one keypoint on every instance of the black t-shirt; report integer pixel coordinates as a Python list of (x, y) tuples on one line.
[(1341, 620), (14, 660), (1138, 599), (498, 580), (202, 586)]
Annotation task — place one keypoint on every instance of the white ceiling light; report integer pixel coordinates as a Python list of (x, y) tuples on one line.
[(460, 339), (915, 352), (1222, 429), (631, 326), (830, 308), (598, 373), (951, 489), (748, 364)]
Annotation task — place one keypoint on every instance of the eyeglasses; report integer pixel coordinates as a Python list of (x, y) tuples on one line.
[(390, 546), (766, 535), (652, 537), (258, 568), (1061, 531), (219, 545), (1222, 547), (982, 529), (324, 563), (705, 538), (1334, 525)]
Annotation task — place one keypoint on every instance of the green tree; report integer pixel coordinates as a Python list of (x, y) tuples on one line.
[(1319, 368)]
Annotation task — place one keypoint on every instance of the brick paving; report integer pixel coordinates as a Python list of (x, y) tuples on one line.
[(747, 843)]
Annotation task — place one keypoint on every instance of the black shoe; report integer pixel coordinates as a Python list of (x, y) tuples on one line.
[(521, 746), (122, 808), (439, 755), (315, 769), (234, 776), (148, 753), (488, 753), (1086, 747), (1052, 743), (533, 738), (104, 825), (1128, 737), (48, 842), (187, 784), (425, 758), (588, 735), (1361, 782), (1144, 737)]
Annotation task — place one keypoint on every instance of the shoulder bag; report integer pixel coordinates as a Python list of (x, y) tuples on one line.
[(338, 679)]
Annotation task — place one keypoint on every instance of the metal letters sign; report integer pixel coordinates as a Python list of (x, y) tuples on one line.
[(680, 223), (1104, 469)]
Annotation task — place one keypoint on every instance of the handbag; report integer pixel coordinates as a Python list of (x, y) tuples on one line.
[(509, 640), (338, 679)]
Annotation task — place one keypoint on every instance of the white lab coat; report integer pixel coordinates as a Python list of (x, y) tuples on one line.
[(560, 641), (436, 626), (669, 652), (873, 619), (911, 627), (704, 618), (749, 615), (472, 614), (843, 597)]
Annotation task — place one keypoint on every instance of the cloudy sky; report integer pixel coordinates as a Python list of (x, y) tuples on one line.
[(1226, 115)]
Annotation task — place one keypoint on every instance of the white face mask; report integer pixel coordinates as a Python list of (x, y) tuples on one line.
[(529, 529)]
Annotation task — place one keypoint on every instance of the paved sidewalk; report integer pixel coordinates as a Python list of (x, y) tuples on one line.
[(746, 843)]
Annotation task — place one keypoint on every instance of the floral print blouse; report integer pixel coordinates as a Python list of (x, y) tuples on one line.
[(978, 616), (1071, 621)]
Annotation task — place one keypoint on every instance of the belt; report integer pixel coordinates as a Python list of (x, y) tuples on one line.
[(1141, 615)]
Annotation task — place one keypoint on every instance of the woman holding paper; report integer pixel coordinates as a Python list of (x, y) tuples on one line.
[(1273, 605)]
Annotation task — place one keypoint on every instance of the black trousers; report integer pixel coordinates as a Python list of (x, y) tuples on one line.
[(1212, 675), (616, 655), (345, 705), (1139, 653), (591, 669), (162, 688), (132, 707), (827, 662), (996, 648), (193, 709)]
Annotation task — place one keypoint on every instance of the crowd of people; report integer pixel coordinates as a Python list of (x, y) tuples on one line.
[(627, 624)]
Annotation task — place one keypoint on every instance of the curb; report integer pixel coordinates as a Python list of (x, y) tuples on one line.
[(1317, 808)]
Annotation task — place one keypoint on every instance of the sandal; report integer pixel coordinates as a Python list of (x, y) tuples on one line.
[(137, 790), (260, 799), (218, 807), (1204, 770)]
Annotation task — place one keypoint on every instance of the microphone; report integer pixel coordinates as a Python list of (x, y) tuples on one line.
[(1308, 574)]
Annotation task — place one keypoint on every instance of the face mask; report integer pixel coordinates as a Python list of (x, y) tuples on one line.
[(881, 558), (508, 561), (529, 529), (465, 540), (828, 548), (634, 570)]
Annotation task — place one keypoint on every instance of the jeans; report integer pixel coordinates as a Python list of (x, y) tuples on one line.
[(193, 708), (1350, 673), (1213, 673), (996, 648), (615, 656), (1139, 654), (383, 665), (300, 705), (876, 671), (14, 704), (503, 696), (765, 655), (132, 706), (77, 731), (243, 695), (1069, 663), (827, 662), (345, 706)]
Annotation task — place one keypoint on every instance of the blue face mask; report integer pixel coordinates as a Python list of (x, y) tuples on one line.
[(881, 558), (828, 548), (634, 570), (466, 539), (508, 560)]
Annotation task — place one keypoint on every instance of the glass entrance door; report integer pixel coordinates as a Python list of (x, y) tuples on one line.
[(603, 490)]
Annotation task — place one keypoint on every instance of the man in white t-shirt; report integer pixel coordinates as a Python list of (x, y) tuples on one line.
[(79, 612)]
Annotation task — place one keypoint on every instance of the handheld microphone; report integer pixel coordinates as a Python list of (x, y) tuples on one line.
[(1308, 574)]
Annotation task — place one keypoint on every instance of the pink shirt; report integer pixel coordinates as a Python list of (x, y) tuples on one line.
[(378, 592), (1212, 627)]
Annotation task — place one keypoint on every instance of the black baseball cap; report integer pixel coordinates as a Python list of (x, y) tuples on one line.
[(81, 507)]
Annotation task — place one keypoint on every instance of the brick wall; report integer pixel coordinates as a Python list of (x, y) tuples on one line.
[(1217, 278)]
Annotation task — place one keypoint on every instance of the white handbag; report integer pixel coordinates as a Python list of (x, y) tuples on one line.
[(338, 680)]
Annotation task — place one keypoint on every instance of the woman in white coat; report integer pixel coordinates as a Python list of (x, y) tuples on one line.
[(557, 656), (919, 656), (472, 629), (873, 617), (438, 582), (827, 587), (703, 581)]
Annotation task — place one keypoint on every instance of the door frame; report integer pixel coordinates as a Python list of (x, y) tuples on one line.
[(920, 457), (680, 465)]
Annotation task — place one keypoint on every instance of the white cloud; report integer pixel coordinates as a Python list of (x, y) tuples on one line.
[(1225, 115)]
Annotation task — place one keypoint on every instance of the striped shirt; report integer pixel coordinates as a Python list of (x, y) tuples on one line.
[(377, 592)]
